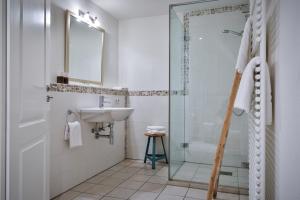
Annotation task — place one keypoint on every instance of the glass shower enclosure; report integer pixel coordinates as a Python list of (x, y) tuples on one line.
[(204, 41)]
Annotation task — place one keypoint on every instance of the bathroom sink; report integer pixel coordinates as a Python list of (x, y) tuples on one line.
[(105, 114)]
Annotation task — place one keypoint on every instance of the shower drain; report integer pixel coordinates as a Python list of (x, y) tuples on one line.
[(225, 173)]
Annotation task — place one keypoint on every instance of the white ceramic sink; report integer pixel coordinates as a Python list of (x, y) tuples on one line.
[(105, 114)]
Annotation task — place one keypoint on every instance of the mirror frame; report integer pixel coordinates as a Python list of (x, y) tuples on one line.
[(68, 15)]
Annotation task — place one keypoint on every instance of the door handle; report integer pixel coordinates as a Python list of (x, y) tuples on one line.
[(48, 98)]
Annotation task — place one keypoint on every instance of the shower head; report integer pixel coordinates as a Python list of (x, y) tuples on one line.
[(233, 32)]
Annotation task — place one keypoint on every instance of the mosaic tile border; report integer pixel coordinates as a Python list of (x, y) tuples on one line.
[(186, 24), (57, 87), (149, 93), (155, 93), (212, 11)]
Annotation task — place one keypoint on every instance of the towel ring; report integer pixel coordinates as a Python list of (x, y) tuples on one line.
[(71, 113)]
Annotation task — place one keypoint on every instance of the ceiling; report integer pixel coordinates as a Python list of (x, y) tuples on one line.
[(126, 9)]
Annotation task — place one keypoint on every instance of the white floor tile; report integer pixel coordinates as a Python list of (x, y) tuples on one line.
[(169, 197), (144, 196), (121, 193), (132, 184), (158, 179), (152, 187), (196, 193), (175, 190), (110, 198), (68, 195), (138, 177), (112, 181), (100, 189), (83, 196), (83, 187)]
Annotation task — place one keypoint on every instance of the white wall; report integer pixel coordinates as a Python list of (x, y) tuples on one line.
[(1, 91), (143, 65), (70, 167), (144, 53), (272, 135), (287, 98), (3, 97), (283, 155)]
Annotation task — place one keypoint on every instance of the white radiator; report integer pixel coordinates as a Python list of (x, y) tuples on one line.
[(257, 120)]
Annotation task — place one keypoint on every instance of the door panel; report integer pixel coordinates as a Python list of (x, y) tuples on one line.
[(32, 65), (28, 123), (33, 173)]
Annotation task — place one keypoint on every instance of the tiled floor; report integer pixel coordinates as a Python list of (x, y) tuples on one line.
[(132, 179), (195, 172)]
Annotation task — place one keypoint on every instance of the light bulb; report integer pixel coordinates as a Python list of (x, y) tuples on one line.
[(87, 16), (96, 22)]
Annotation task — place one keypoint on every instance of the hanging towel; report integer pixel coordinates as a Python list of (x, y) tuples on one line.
[(269, 112), (73, 134), (245, 91), (243, 56), (244, 95)]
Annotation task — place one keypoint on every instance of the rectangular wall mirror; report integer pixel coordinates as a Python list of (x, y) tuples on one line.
[(83, 49)]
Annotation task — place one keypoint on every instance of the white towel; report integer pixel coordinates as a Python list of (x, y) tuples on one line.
[(73, 134), (245, 91), (269, 112), (153, 131), (244, 95), (243, 56), (156, 128)]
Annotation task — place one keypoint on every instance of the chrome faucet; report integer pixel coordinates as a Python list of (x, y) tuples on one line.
[(102, 101)]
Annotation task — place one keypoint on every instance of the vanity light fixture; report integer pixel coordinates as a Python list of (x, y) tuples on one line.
[(86, 17), (80, 15)]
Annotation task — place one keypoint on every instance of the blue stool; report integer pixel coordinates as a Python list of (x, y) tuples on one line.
[(155, 157)]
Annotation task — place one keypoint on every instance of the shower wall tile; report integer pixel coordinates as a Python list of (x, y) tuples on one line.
[(150, 109)]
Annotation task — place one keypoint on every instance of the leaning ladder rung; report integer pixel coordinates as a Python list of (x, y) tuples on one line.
[(213, 184)]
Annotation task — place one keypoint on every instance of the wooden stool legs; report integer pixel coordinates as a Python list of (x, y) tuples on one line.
[(154, 156), (153, 152), (148, 143), (162, 142)]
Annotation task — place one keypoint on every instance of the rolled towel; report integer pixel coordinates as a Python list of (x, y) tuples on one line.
[(73, 134), (153, 131), (156, 128)]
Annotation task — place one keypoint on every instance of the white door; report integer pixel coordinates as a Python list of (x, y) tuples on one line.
[(28, 124)]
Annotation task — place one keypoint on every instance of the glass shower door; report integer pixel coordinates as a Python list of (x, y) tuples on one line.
[(204, 41), (212, 58), (176, 111)]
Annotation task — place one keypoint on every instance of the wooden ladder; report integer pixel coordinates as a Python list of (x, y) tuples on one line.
[(214, 179)]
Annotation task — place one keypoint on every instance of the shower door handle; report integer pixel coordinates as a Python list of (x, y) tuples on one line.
[(184, 145)]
